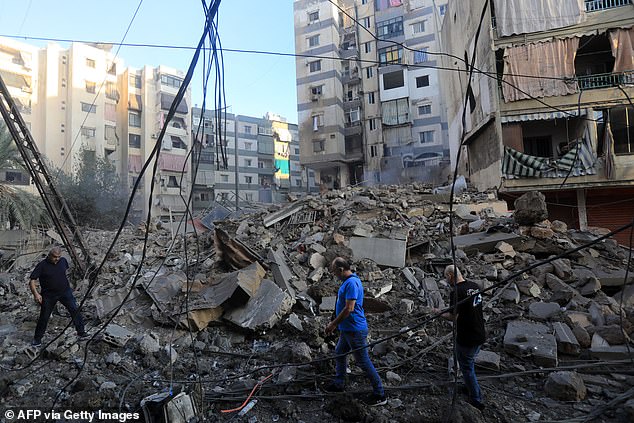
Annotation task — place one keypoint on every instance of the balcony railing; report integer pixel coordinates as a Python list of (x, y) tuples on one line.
[(596, 5), (605, 80)]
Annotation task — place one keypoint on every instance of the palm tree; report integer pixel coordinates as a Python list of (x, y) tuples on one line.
[(18, 208)]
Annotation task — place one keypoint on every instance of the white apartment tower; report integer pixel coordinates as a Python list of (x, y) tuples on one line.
[(369, 102)]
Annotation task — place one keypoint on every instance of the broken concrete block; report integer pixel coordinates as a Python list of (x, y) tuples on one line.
[(301, 352), (317, 261), (464, 213), (484, 242), (376, 288), (339, 239), (282, 274), (318, 248), (582, 336), (287, 374), (163, 288), (590, 287), (511, 293), (530, 208), (168, 355), (363, 230), (596, 313), (612, 334), (117, 335), (506, 249), (386, 252), (543, 311), (147, 344), (113, 358), (528, 287), (263, 310), (566, 341), (328, 304), (411, 278), (110, 300), (626, 296), (565, 386), (432, 293), (316, 275), (406, 306), (393, 378), (295, 322), (199, 319), (559, 226), (488, 360), (562, 268), (579, 318), (235, 289), (541, 232), (524, 338)]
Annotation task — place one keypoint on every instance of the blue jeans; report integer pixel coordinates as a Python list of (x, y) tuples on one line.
[(46, 309), (466, 358), (350, 341)]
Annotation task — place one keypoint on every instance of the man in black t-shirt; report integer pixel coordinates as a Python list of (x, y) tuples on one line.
[(51, 272), (469, 327)]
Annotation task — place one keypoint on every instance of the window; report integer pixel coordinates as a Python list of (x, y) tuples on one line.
[(420, 56), (177, 142), (296, 151), (372, 124), (248, 179), (247, 129), (374, 151), (224, 178), (368, 73), (206, 157), (371, 98), (204, 196), (172, 182), (298, 182), (418, 27), (390, 28), (364, 1), (424, 109), (110, 112), (318, 146), (313, 17), (316, 90), (171, 81), (112, 92), (91, 87), (134, 119), (366, 22), (315, 66), (367, 47), (313, 41), (248, 162), (622, 124), (393, 80), (426, 137), (88, 108), (88, 132), (90, 63), (352, 116), (318, 121), (135, 81), (422, 81), (442, 9), (134, 140), (112, 69), (395, 112), (390, 55), (538, 146), (248, 146)]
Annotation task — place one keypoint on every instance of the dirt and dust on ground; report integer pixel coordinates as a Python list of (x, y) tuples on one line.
[(225, 321)]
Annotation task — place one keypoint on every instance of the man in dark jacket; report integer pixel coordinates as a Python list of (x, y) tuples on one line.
[(469, 327), (51, 273)]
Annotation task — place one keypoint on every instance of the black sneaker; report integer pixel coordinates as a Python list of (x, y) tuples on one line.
[(374, 400), (331, 388), (36, 344), (477, 404)]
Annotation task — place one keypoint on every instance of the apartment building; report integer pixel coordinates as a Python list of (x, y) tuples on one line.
[(369, 101), (552, 109), (267, 155), (81, 100)]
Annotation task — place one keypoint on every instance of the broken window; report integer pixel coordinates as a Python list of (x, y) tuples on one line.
[(541, 146), (622, 125), (318, 146), (390, 55)]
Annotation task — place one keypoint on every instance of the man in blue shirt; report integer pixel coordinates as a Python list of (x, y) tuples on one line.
[(51, 272), (353, 329)]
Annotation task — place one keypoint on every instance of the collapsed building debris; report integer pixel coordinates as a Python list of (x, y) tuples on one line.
[(255, 290)]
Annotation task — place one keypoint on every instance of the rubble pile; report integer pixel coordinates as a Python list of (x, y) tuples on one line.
[(243, 305)]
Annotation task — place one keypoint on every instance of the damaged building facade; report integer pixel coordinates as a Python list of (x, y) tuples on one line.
[(82, 101), (374, 112), (268, 159), (550, 103)]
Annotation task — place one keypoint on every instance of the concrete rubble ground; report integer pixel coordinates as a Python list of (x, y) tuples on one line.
[(220, 306)]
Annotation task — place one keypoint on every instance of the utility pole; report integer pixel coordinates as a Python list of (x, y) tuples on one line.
[(235, 155)]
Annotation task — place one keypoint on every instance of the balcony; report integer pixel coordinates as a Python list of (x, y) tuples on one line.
[(352, 128), (605, 80), (351, 77), (597, 5)]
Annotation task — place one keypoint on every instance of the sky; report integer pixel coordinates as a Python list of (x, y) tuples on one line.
[(254, 83)]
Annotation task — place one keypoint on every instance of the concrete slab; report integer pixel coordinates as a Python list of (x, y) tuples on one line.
[(263, 310), (328, 304), (282, 274), (117, 335), (613, 277), (235, 289), (524, 338), (566, 341), (107, 302), (484, 242), (385, 252), (543, 311)]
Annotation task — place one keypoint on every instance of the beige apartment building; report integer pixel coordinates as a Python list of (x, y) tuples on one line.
[(369, 94), (81, 100), (550, 107)]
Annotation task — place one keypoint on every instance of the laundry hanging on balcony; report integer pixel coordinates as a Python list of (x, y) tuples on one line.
[(580, 158), (526, 16)]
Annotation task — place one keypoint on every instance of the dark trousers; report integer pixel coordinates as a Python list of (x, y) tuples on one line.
[(466, 358), (351, 341), (46, 308)]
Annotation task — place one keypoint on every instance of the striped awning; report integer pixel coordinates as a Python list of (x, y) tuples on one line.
[(543, 116)]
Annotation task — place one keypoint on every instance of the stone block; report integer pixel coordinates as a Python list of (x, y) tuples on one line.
[(484, 242), (565, 386), (383, 251), (566, 341), (328, 304), (543, 311), (523, 338), (117, 335)]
